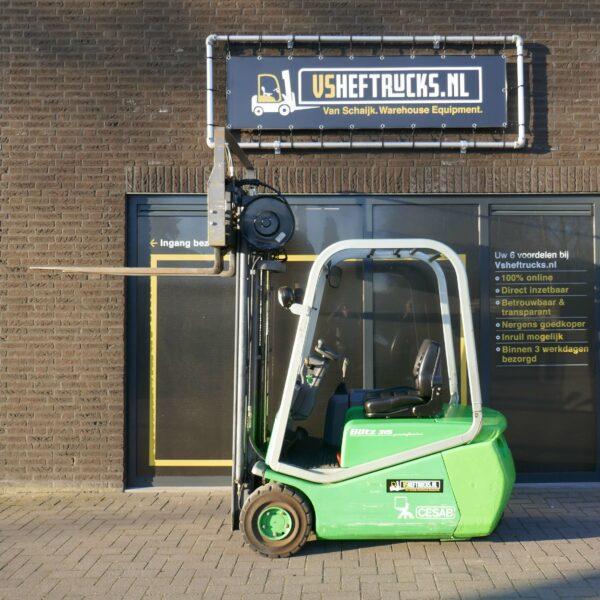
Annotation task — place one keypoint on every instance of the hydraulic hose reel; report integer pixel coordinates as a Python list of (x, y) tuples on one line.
[(267, 222)]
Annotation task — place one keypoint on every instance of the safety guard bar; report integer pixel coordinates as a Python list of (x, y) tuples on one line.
[(313, 293)]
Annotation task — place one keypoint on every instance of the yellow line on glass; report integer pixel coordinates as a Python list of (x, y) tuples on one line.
[(152, 459)]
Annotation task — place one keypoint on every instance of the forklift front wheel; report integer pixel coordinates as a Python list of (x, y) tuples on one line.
[(276, 520)]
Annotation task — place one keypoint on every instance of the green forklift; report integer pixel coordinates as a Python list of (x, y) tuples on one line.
[(406, 462), (418, 461)]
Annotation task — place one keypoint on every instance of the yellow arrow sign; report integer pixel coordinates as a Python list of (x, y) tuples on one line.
[(153, 242)]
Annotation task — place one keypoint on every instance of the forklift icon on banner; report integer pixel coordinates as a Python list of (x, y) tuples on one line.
[(271, 99)]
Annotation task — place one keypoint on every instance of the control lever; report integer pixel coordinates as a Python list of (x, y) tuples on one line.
[(309, 380), (325, 352)]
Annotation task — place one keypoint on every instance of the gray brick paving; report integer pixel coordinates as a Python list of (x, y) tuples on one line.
[(177, 544)]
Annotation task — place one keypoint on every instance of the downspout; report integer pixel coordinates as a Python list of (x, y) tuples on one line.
[(520, 142), (210, 135)]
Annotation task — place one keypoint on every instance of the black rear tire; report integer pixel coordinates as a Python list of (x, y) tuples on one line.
[(276, 520)]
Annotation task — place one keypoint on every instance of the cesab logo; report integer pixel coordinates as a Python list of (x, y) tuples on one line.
[(404, 510), (435, 512)]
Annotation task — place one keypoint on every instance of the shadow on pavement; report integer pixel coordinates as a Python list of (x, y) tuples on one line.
[(545, 528), (531, 516), (580, 584)]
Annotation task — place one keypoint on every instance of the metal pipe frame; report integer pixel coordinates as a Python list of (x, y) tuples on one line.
[(435, 40)]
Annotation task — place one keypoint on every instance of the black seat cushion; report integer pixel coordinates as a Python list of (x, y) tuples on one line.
[(404, 401), (389, 405)]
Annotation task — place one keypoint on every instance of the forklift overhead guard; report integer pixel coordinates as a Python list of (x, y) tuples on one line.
[(391, 463)]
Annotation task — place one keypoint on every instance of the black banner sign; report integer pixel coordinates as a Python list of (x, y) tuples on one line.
[(366, 92)]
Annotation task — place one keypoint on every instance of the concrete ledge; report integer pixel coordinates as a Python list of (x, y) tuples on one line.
[(51, 487)]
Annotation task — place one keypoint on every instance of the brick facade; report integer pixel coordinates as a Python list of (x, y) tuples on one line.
[(103, 97)]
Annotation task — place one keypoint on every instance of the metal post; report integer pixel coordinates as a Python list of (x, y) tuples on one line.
[(520, 92), (241, 365)]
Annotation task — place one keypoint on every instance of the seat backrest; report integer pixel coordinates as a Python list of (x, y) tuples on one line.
[(427, 370)]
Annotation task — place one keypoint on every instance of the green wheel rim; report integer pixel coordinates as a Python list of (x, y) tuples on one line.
[(274, 523)]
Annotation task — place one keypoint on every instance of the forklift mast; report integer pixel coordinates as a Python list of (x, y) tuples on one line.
[(251, 229)]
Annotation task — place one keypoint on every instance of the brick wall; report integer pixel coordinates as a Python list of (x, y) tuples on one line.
[(101, 97)]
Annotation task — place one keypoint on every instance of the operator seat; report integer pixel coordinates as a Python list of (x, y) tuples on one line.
[(424, 400)]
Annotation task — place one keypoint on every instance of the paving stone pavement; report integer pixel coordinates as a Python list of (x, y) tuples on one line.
[(178, 544)]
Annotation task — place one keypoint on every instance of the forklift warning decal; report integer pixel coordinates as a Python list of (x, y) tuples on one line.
[(415, 485), (366, 92)]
